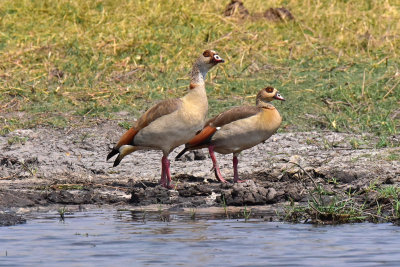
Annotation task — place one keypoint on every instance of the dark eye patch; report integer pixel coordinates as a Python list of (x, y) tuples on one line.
[(207, 53), (269, 89)]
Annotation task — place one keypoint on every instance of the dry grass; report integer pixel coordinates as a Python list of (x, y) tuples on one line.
[(336, 63)]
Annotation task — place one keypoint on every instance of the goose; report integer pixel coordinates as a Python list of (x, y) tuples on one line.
[(171, 122), (237, 129)]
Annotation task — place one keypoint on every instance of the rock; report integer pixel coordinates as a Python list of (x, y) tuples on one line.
[(199, 155), (8, 219), (70, 196), (271, 195), (8, 161), (343, 174), (294, 193), (10, 199), (193, 155), (247, 193), (189, 156)]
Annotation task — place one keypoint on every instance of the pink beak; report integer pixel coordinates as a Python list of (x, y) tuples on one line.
[(279, 97)]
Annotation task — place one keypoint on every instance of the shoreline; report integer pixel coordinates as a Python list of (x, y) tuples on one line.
[(303, 174)]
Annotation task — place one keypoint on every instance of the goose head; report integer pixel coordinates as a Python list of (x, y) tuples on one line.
[(208, 60), (268, 94)]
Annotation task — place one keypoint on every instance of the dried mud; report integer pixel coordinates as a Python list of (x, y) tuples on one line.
[(43, 167)]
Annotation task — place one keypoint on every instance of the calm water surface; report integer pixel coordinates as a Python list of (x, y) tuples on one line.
[(110, 237)]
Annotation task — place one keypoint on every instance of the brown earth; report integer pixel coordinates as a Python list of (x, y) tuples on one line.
[(237, 8), (44, 167)]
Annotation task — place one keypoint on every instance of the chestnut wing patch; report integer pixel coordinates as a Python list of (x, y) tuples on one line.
[(220, 120), (203, 137)]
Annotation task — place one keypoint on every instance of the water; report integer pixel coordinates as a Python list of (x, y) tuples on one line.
[(110, 237)]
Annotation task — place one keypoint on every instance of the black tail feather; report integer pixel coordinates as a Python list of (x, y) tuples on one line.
[(181, 153), (117, 161), (112, 153)]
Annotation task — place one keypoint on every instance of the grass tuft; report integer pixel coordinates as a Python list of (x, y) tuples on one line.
[(64, 61), (375, 203)]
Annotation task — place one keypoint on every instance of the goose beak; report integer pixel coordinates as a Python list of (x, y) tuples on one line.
[(279, 97)]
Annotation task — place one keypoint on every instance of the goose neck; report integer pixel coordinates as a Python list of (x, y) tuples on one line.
[(198, 74)]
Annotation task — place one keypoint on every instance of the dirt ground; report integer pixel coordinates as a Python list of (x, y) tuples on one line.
[(44, 167)]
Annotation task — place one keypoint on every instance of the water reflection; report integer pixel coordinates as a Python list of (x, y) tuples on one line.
[(146, 238)]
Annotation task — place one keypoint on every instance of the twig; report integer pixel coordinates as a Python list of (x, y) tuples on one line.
[(370, 214), (145, 186), (26, 168), (382, 60), (309, 176), (391, 89), (315, 184)]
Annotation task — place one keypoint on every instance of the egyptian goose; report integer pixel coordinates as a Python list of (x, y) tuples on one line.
[(237, 129), (172, 122)]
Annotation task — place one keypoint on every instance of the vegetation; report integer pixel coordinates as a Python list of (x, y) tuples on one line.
[(246, 214), (226, 209), (17, 140), (67, 62), (375, 203), (62, 211)]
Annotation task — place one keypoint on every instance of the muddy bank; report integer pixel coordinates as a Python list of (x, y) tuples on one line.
[(7, 219), (42, 167)]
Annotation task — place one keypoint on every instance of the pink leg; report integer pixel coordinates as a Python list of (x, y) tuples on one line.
[(215, 165), (169, 185), (163, 175), (166, 174), (235, 170)]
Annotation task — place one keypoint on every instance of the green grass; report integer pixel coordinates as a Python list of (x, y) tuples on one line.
[(375, 203), (390, 192), (336, 64), (246, 214), (334, 211), (62, 211), (17, 140)]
